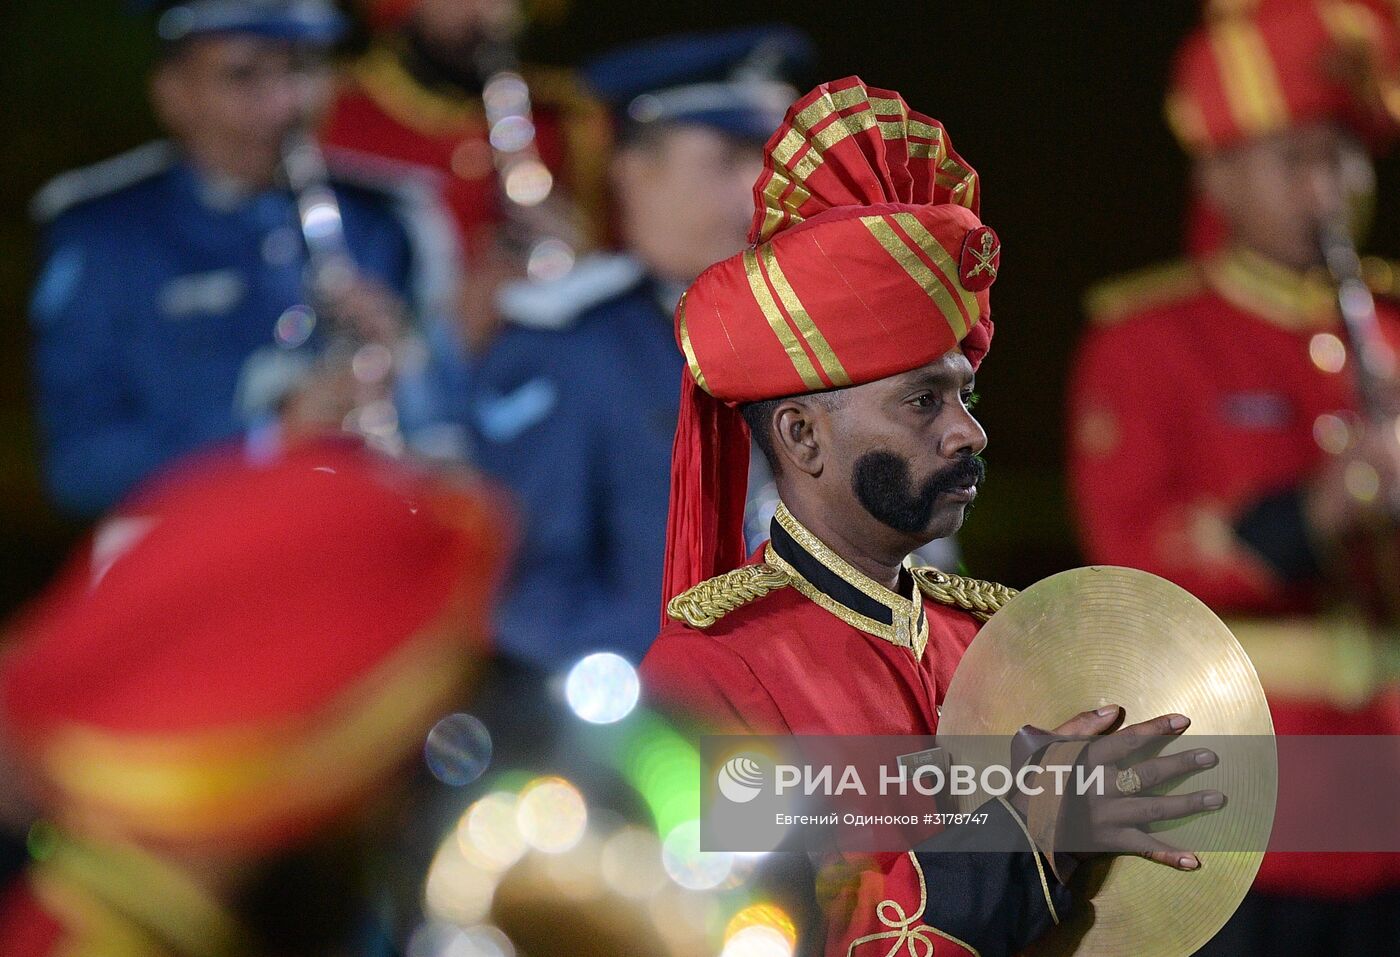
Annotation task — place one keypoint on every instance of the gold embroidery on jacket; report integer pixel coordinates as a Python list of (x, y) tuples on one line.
[(983, 599), (908, 932), (700, 606)]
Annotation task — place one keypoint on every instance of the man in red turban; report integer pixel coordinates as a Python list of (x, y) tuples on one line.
[(846, 339), (1217, 435)]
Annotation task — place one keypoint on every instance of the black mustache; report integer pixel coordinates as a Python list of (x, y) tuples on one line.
[(969, 470), (883, 484)]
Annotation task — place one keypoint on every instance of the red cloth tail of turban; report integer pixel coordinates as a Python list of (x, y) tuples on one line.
[(868, 260), (709, 489)]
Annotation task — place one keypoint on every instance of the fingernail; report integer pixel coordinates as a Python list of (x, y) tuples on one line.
[(1106, 710), (1205, 759), (1188, 862), (1214, 800), (1179, 722)]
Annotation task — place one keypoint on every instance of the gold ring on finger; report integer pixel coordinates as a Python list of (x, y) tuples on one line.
[(1129, 782)]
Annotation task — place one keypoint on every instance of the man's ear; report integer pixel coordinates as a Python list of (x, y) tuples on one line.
[(800, 428)]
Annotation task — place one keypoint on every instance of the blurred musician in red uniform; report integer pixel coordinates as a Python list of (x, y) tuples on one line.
[(1216, 439), (416, 96)]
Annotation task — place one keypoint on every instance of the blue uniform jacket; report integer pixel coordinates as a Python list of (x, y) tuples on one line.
[(579, 421), (154, 291)]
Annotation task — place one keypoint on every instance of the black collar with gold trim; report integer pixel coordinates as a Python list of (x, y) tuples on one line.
[(827, 579)]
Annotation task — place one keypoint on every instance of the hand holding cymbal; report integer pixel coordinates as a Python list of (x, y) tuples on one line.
[(1100, 638)]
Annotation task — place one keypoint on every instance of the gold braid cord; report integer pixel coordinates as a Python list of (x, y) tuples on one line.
[(706, 603), (982, 599)]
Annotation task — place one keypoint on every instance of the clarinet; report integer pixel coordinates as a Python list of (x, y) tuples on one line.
[(525, 181), (330, 272), (1373, 366), (1374, 360)]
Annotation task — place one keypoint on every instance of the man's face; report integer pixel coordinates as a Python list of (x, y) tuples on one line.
[(1275, 191), (231, 101), (906, 450), (452, 27), (686, 198)]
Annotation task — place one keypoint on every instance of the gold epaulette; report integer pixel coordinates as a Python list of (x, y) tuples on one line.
[(1120, 297), (982, 599), (702, 605)]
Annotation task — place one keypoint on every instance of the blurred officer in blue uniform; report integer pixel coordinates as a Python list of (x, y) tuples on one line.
[(171, 273), (575, 405)]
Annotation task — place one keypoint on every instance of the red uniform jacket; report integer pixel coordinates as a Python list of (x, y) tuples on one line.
[(384, 111), (829, 651), (1201, 400)]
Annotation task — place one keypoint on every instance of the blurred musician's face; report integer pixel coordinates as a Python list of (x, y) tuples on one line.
[(451, 27), (686, 198), (231, 101), (1274, 191)]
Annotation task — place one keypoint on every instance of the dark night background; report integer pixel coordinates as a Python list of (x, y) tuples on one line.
[(1057, 105)]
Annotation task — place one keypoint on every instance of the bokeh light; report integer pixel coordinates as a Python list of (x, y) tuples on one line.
[(506, 94), (1362, 481), (435, 939), (549, 259), (688, 865), (551, 815), (1332, 433), (294, 326), (602, 688), (757, 942), (631, 862), (488, 834), (512, 134), (577, 874), (372, 363), (663, 767), (528, 183), (458, 750), (1327, 352), (457, 890), (765, 915)]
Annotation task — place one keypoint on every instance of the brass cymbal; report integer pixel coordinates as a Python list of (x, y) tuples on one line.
[(1101, 635)]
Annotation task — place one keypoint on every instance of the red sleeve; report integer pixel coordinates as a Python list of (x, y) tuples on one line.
[(690, 673), (1134, 394)]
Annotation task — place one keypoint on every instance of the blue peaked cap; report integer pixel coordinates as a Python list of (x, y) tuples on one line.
[(732, 80), (316, 22)]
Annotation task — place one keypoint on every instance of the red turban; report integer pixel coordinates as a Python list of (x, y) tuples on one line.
[(1257, 67), (868, 260), (245, 650)]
